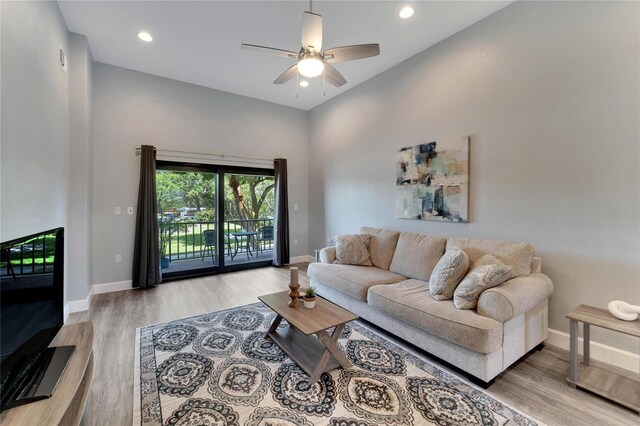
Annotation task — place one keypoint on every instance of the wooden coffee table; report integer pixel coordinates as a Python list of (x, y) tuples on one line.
[(313, 356)]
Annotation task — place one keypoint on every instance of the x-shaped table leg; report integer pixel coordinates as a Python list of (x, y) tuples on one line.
[(331, 348), (274, 326)]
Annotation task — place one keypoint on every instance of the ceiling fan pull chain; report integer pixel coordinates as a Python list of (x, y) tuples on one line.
[(297, 85), (324, 81), (311, 6)]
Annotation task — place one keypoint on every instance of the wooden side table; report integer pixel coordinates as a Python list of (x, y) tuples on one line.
[(615, 387)]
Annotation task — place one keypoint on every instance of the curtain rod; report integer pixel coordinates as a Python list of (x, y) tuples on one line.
[(222, 156)]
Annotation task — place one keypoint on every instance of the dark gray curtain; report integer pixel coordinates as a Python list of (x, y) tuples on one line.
[(281, 252), (146, 252)]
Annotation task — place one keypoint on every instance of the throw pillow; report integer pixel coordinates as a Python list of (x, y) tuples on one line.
[(382, 246), (446, 276), (487, 272), (353, 249), (416, 255), (518, 255)]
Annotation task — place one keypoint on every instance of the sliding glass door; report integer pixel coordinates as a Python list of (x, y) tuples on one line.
[(214, 218), (249, 211)]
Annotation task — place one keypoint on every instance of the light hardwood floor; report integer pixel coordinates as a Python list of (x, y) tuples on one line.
[(535, 385)]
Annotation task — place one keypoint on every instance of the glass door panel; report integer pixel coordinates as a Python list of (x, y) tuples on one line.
[(187, 220), (248, 218)]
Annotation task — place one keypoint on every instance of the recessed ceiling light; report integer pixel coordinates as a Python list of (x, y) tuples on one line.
[(145, 36), (304, 83), (406, 12)]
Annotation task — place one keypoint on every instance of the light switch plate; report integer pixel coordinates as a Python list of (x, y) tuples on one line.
[(129, 210), (118, 210)]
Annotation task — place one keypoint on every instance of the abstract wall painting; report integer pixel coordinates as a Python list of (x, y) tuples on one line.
[(433, 181)]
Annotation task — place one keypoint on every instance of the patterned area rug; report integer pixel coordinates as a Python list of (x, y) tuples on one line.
[(217, 369)]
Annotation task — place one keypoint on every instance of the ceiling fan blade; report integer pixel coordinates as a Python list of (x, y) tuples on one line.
[(287, 75), (349, 53), (270, 50), (333, 76), (312, 32)]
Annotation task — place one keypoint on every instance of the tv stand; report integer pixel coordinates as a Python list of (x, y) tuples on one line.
[(67, 403)]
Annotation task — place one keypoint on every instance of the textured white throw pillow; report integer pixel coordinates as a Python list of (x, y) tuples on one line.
[(353, 249), (487, 272), (448, 273)]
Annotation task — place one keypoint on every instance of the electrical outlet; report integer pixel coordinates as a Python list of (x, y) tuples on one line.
[(118, 258), (129, 210), (118, 211), (295, 207)]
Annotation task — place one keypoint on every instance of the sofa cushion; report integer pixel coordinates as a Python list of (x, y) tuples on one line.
[(382, 245), (351, 280), (416, 255), (410, 301), (518, 255), (448, 273), (515, 297), (353, 249), (487, 272), (328, 254)]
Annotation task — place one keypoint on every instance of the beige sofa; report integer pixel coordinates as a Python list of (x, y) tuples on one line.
[(509, 321)]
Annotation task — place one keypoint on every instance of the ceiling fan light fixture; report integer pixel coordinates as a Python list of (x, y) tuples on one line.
[(310, 67), (145, 36), (304, 83), (406, 12)]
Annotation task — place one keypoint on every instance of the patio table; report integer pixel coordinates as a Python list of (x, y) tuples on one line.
[(249, 235)]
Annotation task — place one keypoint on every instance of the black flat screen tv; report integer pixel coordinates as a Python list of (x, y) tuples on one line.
[(31, 314)]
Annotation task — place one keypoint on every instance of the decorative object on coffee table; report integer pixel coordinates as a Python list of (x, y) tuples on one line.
[(313, 356), (615, 387), (623, 310), (310, 297), (294, 286)]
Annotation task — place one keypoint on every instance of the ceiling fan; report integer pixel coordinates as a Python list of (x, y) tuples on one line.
[(311, 59)]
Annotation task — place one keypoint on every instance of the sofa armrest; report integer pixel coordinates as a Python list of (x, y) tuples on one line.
[(328, 255), (514, 297)]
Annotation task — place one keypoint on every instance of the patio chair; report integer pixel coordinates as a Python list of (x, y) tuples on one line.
[(265, 233), (209, 244), (228, 241)]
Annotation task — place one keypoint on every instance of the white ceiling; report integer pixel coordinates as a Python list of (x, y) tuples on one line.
[(199, 42)]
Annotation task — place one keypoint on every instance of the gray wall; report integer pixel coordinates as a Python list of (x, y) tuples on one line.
[(79, 230), (549, 94), (35, 119), (133, 108)]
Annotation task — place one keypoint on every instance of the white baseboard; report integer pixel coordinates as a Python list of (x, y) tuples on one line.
[(78, 305), (84, 304), (111, 287), (601, 352), (302, 259)]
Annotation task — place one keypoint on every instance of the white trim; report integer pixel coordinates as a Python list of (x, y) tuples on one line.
[(78, 305), (84, 304), (599, 351), (111, 287), (302, 259)]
